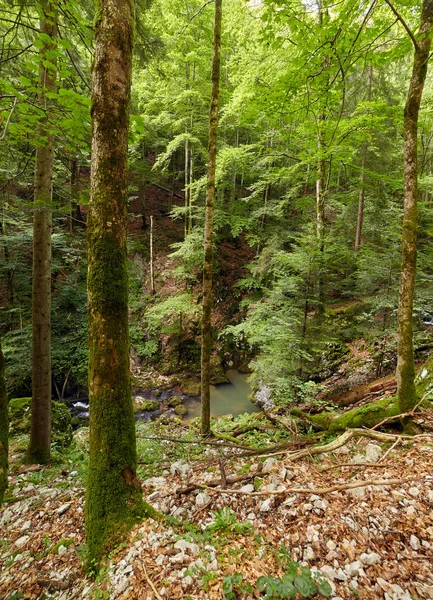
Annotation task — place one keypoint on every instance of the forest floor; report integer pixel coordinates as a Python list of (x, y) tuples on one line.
[(372, 541)]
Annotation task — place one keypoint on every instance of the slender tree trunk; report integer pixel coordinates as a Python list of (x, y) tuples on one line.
[(206, 328), (152, 278), (113, 501), (4, 430), (405, 357), (361, 202), (75, 212), (40, 436)]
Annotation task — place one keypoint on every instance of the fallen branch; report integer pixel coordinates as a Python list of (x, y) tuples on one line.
[(317, 491), (214, 483), (150, 582), (403, 415), (358, 464)]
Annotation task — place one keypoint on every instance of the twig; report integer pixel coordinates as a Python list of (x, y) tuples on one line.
[(8, 120), (357, 464), (317, 491), (402, 415), (213, 483), (396, 443), (149, 581), (403, 22), (223, 474)]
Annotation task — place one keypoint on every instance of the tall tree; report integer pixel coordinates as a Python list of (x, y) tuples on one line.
[(4, 430), (206, 327), (405, 356), (40, 437), (114, 498)]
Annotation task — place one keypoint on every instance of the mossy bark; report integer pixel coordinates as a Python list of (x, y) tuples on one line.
[(4, 430), (406, 392), (40, 436), (206, 330), (114, 500)]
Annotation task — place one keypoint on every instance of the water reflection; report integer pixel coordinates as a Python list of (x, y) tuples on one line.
[(225, 398)]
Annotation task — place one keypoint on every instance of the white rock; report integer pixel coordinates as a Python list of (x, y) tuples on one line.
[(122, 585), (357, 492), (341, 575), (331, 545), (213, 565), (247, 488), (180, 467), (312, 534), (353, 569), (370, 559), (329, 572), (308, 554), (307, 507), (27, 525), (320, 505), (414, 542), (160, 559), (342, 450), (63, 508), (414, 492), (410, 511), (22, 540), (265, 506), (62, 550), (187, 546), (178, 558), (202, 499), (268, 464), (187, 581), (156, 482), (372, 453)]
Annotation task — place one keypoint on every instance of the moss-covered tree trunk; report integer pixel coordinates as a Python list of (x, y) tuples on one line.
[(40, 436), (406, 392), (206, 327), (4, 430), (114, 499)]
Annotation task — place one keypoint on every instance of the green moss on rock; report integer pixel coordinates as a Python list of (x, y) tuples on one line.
[(140, 404), (20, 414), (174, 401), (190, 388), (180, 410)]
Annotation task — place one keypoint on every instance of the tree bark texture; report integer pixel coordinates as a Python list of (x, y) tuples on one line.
[(206, 327), (4, 430), (405, 357), (40, 436), (113, 501), (361, 202)]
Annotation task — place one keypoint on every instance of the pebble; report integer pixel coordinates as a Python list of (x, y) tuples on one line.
[(357, 492), (268, 464), (22, 540), (265, 506), (372, 453), (202, 499), (63, 509), (247, 488), (414, 542), (27, 525), (180, 467), (329, 572), (414, 492), (308, 554), (370, 559), (62, 550)]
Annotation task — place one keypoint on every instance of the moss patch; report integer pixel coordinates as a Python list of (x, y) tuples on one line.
[(20, 415), (141, 404)]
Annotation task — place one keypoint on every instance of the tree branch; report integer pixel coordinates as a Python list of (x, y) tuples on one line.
[(403, 22)]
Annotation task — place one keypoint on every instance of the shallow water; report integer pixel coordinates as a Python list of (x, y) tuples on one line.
[(225, 398)]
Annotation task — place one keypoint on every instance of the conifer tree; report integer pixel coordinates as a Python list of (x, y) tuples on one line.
[(40, 437)]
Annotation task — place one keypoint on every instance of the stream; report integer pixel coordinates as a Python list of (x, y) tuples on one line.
[(225, 398)]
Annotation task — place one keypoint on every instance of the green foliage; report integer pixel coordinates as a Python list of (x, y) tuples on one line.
[(225, 522), (296, 580)]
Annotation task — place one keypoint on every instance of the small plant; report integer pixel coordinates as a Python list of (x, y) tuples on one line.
[(297, 580), (225, 521), (234, 585)]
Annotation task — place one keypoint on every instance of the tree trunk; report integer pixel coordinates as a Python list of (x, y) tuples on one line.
[(152, 278), (406, 392), (40, 436), (206, 328), (4, 430), (113, 501), (75, 217), (361, 202)]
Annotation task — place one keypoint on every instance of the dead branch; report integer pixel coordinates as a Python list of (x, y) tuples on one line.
[(317, 491)]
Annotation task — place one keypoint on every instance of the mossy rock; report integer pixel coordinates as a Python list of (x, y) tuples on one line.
[(245, 368), (174, 401), (141, 404), (190, 388), (180, 410), (20, 417)]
